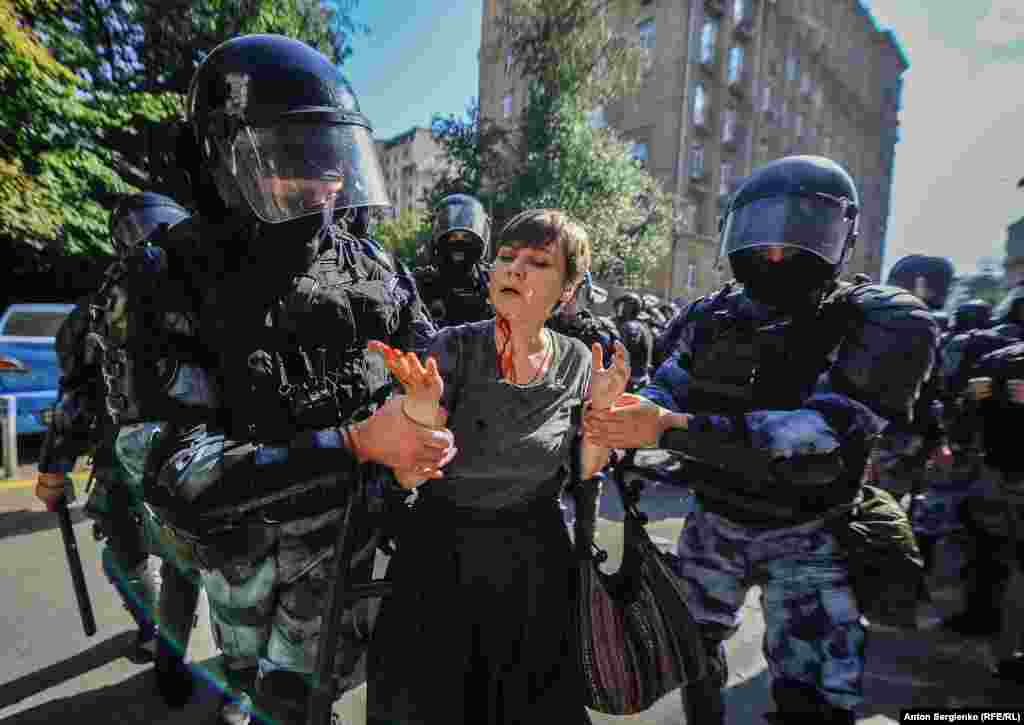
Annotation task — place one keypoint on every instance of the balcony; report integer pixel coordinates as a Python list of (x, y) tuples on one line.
[(699, 185), (714, 7), (738, 86), (733, 140), (745, 29)]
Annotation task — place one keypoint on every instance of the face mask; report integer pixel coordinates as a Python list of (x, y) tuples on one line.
[(788, 285)]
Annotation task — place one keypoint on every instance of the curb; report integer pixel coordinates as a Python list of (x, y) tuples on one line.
[(80, 478)]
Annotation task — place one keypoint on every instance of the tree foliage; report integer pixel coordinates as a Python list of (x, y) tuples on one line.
[(553, 156), (91, 92), (405, 236)]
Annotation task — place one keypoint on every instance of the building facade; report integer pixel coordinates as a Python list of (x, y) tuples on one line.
[(731, 85), (412, 163)]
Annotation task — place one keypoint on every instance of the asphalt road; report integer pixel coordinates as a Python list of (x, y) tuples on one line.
[(49, 670)]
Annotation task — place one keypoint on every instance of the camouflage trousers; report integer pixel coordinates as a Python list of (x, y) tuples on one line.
[(115, 505), (266, 595), (814, 633)]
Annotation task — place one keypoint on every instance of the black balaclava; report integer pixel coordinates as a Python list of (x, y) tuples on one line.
[(790, 285)]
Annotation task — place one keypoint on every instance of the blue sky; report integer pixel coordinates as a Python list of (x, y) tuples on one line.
[(957, 163)]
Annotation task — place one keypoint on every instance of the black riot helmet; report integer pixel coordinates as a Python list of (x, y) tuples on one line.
[(462, 231), (790, 227), (281, 131), (972, 315), (629, 306), (137, 216), (1011, 308), (929, 278)]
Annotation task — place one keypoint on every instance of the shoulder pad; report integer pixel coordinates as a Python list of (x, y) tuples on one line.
[(888, 349), (376, 250)]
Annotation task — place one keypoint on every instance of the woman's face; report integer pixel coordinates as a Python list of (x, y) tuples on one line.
[(527, 282)]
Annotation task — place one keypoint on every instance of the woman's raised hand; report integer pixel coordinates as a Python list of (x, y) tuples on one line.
[(607, 384), (423, 385)]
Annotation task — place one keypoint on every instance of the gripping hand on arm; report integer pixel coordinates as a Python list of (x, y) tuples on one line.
[(420, 407)]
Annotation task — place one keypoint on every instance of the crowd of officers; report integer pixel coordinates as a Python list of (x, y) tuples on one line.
[(958, 470), (284, 174)]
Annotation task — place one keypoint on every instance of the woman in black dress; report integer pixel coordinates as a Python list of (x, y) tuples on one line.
[(479, 628)]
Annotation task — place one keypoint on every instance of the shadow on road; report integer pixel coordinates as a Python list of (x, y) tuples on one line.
[(130, 702), (24, 521), (93, 658)]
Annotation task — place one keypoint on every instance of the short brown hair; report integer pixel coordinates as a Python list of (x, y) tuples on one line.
[(538, 228)]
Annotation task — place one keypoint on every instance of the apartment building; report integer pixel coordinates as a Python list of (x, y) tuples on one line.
[(730, 85), (412, 163)]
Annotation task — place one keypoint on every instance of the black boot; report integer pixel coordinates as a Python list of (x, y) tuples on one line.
[(985, 581), (703, 703), (179, 596)]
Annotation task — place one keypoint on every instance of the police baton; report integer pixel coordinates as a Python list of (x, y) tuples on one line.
[(67, 533), (75, 566)]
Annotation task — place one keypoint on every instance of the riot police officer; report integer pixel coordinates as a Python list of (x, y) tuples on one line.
[(786, 342), (985, 573), (269, 299), (454, 287), (636, 336), (82, 423), (575, 320)]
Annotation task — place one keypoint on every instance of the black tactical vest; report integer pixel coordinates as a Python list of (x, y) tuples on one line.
[(298, 361), (454, 302)]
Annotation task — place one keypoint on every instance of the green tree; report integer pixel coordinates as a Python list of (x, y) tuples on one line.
[(405, 236), (552, 156), (92, 92)]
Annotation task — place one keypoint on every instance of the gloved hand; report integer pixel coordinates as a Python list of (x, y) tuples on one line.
[(53, 488)]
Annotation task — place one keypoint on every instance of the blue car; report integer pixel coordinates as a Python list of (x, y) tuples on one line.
[(29, 372)]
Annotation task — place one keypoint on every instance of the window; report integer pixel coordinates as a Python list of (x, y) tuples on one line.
[(739, 11), (639, 152), (735, 64), (798, 125), (726, 178), (697, 161), (35, 322), (826, 145), (784, 113), (596, 118), (708, 36), (646, 28), (729, 125), (691, 276), (700, 102), (806, 83), (506, 105), (792, 67), (508, 62), (819, 96), (766, 97)]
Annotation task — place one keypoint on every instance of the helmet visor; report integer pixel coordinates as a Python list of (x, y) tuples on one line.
[(816, 224), (462, 217), (138, 225), (295, 169)]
